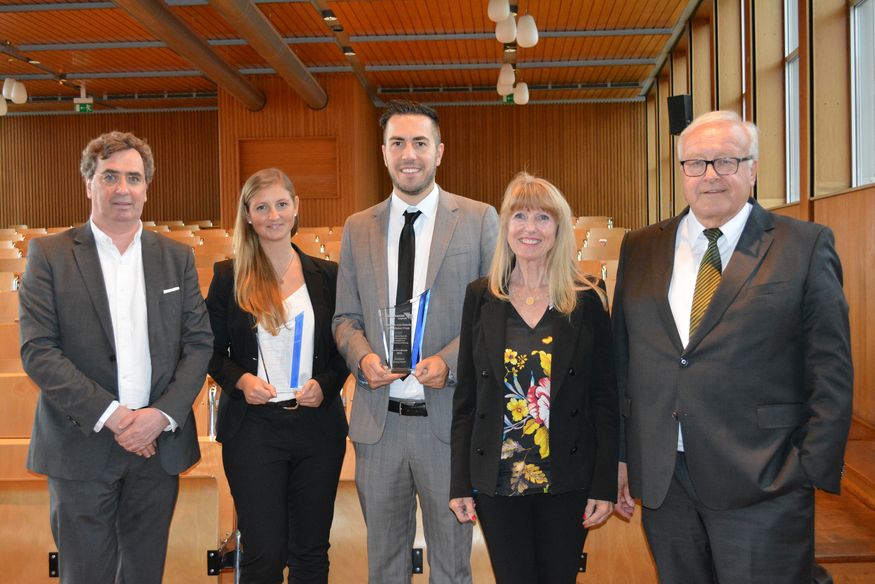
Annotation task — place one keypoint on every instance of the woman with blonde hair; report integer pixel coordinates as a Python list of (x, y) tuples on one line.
[(535, 426), (281, 423)]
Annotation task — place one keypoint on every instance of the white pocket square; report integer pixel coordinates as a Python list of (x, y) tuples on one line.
[(169, 290)]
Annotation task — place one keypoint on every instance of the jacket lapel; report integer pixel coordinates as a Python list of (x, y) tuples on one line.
[(153, 274), (663, 255), (378, 246), (565, 333), (85, 254), (444, 225), (493, 319), (756, 238)]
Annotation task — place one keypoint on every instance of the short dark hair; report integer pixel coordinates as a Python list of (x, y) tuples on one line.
[(108, 144), (405, 107)]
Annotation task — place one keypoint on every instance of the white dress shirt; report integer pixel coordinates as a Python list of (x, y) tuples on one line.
[(125, 286), (690, 246), (410, 388), (275, 351)]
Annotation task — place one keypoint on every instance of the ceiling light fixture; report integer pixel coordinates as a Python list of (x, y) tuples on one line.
[(505, 31), (521, 94), (19, 93), (509, 49), (504, 90), (3, 107), (506, 77), (348, 51), (527, 32), (329, 17), (498, 10), (8, 84)]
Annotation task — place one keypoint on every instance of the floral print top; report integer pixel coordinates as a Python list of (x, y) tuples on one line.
[(524, 467)]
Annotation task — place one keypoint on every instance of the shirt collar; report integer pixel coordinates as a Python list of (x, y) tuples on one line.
[(730, 230), (104, 240), (428, 205)]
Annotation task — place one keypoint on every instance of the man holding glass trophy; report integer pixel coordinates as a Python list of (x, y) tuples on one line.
[(405, 265)]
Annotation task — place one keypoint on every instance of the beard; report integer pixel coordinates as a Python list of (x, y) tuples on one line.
[(416, 189)]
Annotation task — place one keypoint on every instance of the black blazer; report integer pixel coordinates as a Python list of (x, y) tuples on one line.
[(584, 422), (235, 349)]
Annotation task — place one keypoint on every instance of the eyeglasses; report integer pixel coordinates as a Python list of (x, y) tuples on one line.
[(114, 179), (722, 166)]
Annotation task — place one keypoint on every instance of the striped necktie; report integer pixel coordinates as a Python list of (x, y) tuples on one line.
[(708, 279)]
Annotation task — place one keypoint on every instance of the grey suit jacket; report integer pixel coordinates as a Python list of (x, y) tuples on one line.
[(67, 348), (763, 389), (461, 251)]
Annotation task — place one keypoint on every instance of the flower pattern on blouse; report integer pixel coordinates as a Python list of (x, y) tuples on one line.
[(525, 448)]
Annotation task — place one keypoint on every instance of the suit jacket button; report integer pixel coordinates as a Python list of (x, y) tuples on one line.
[(481, 415), (573, 413), (479, 451), (684, 362), (573, 449), (112, 358), (571, 371), (484, 373)]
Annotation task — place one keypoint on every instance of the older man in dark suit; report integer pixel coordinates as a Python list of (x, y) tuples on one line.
[(115, 333), (734, 371)]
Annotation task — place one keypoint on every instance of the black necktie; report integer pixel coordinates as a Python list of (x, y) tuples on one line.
[(406, 257)]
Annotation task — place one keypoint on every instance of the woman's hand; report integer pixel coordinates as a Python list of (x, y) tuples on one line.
[(463, 507), (596, 512), (255, 390), (310, 395)]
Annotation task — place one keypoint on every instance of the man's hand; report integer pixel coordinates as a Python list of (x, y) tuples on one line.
[(596, 512), (625, 503), (376, 373), (463, 507), (142, 428), (256, 391), (432, 372), (114, 422), (310, 396)]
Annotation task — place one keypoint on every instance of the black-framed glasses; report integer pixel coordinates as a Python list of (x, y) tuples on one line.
[(722, 166)]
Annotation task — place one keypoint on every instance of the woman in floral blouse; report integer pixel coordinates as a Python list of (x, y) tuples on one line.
[(535, 423)]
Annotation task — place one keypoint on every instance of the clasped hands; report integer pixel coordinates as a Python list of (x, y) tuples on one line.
[(257, 391), (137, 431), (431, 372), (596, 512)]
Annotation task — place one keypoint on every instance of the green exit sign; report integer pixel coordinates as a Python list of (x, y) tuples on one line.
[(85, 108)]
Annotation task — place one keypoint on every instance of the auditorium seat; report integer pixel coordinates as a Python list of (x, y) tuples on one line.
[(14, 265), (184, 227), (163, 229), (599, 252), (13, 236), (9, 306), (207, 260), (205, 276), (591, 267), (170, 222), (202, 223), (8, 282), (9, 253), (57, 229), (332, 250), (596, 233)]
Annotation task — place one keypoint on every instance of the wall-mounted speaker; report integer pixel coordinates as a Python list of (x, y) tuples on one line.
[(680, 113)]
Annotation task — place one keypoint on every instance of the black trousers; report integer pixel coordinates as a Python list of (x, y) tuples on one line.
[(533, 538), (283, 469), (771, 542)]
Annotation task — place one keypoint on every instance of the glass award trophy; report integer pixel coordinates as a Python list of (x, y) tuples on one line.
[(402, 333)]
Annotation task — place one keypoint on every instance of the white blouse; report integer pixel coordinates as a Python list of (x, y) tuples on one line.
[(276, 364)]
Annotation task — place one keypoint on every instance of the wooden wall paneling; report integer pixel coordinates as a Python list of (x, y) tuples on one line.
[(652, 115), (851, 216), (594, 153), (680, 85), (311, 163), (831, 92), (666, 149), (700, 63), (41, 186), (349, 118), (728, 54), (769, 104)]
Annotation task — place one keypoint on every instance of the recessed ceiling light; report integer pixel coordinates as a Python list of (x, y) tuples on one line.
[(348, 51), (329, 17)]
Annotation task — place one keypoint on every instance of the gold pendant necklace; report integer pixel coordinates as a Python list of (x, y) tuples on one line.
[(530, 300)]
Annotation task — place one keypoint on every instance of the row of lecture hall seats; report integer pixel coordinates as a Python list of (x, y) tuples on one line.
[(204, 517)]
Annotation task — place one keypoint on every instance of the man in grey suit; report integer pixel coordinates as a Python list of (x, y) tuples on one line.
[(734, 372), (115, 334), (401, 424)]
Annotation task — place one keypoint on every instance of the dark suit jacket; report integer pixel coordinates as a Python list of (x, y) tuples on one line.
[(235, 350), (763, 390), (68, 349), (583, 398)]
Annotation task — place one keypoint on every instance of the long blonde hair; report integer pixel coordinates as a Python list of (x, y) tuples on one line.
[(256, 284), (563, 273)]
